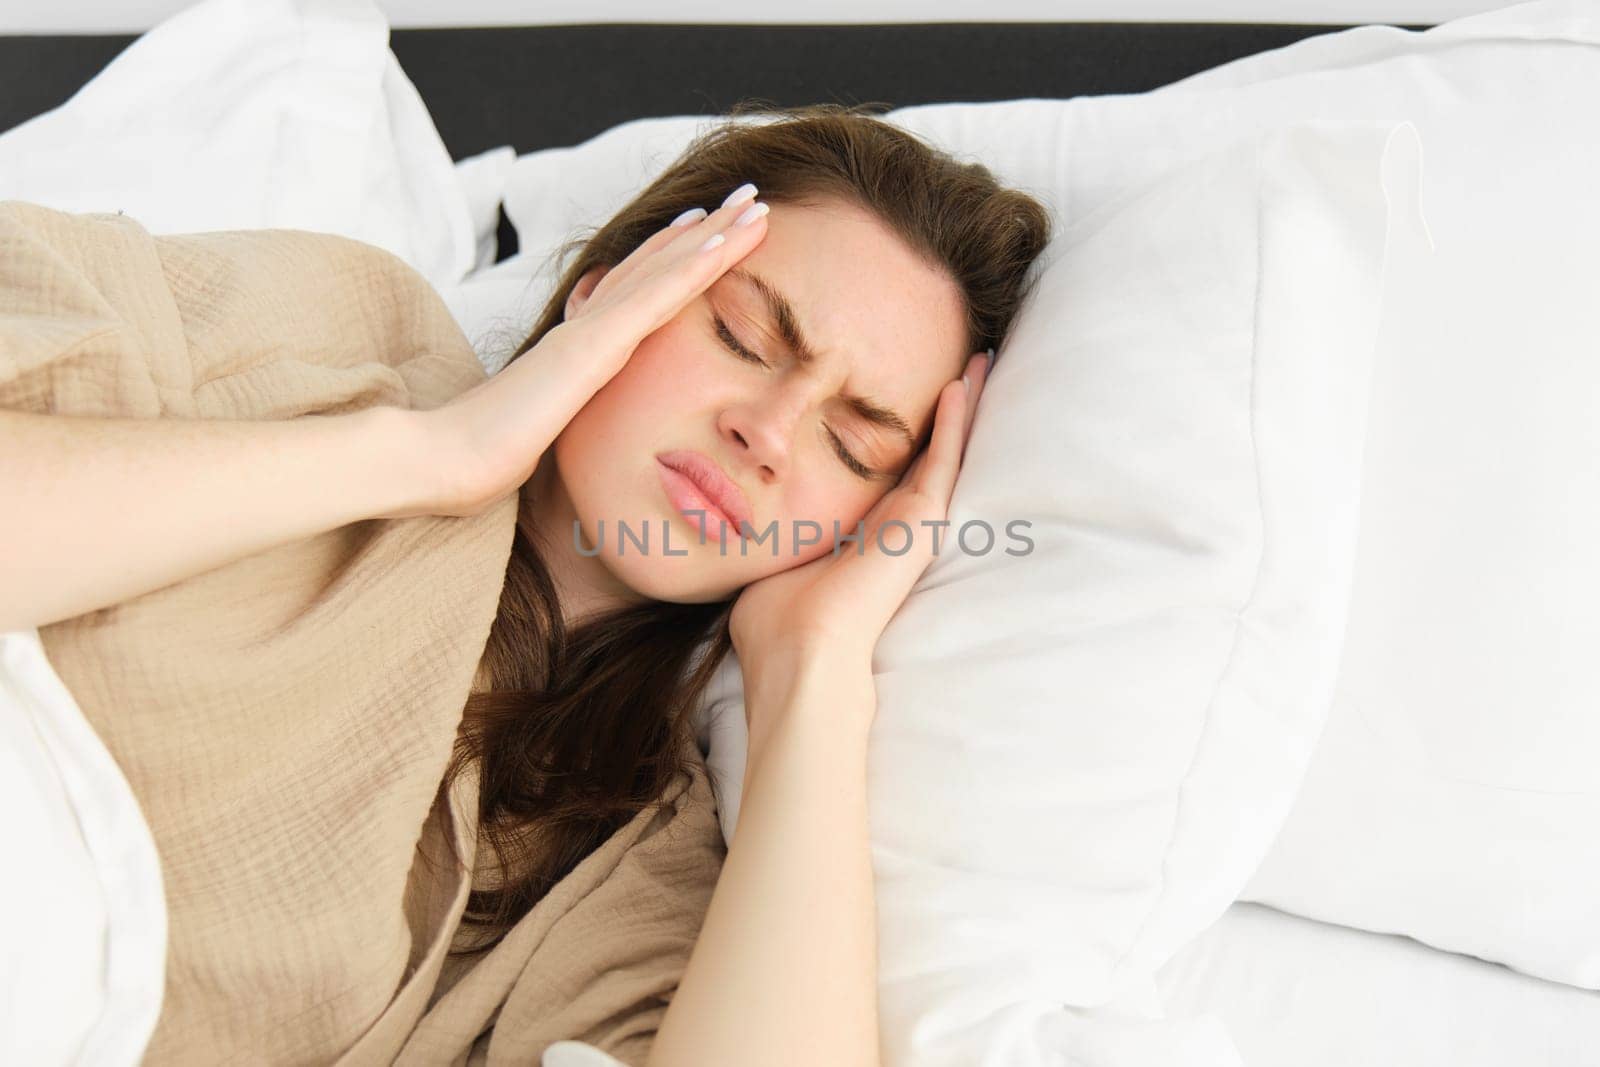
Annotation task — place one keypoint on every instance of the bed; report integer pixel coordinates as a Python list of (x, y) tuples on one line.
[(1303, 989)]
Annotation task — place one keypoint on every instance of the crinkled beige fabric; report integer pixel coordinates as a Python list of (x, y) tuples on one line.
[(285, 720)]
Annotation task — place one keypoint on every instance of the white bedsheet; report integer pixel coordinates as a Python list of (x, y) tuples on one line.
[(83, 919), (1294, 991)]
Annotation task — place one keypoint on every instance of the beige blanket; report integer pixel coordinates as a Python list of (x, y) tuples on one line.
[(285, 720)]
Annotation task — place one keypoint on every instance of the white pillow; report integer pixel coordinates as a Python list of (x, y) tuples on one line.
[(483, 183), (246, 114), (1184, 407), (1454, 797), (1082, 754)]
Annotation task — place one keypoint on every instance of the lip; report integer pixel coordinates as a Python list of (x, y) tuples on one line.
[(693, 480)]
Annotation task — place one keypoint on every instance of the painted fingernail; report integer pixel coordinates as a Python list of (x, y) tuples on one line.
[(740, 195), (694, 214), (751, 213), (711, 242)]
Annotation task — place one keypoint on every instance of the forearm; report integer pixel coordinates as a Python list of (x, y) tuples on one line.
[(785, 967), (100, 510)]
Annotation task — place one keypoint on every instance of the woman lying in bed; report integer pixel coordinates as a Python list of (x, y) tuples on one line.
[(707, 430)]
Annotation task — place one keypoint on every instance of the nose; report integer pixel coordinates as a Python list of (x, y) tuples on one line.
[(761, 426)]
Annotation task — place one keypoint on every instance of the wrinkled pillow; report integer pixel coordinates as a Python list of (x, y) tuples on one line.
[(252, 114), (1453, 797)]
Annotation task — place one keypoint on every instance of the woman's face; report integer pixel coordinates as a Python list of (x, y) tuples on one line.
[(882, 324)]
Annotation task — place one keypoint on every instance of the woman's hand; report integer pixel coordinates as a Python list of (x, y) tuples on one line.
[(786, 955), (486, 442), (836, 606)]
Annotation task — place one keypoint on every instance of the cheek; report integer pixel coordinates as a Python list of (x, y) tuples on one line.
[(824, 501), (667, 374), (605, 451), (652, 391)]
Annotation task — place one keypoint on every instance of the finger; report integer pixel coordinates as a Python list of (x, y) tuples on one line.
[(879, 574), (978, 375), (682, 269), (909, 475), (648, 248), (689, 238), (897, 545), (937, 476), (648, 255)]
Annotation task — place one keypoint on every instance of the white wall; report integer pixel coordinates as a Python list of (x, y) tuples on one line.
[(136, 16)]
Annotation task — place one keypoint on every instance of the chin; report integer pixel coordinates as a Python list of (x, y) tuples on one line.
[(687, 579)]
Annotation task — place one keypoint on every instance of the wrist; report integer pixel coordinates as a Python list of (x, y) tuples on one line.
[(817, 688), (779, 675), (391, 453)]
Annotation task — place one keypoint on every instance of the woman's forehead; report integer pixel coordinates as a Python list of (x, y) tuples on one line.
[(854, 290)]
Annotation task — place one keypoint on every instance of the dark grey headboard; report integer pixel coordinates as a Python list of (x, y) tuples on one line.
[(538, 87)]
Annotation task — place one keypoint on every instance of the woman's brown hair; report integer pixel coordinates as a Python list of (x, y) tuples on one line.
[(582, 729)]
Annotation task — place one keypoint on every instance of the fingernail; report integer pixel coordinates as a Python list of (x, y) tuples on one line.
[(751, 213), (740, 195), (694, 214), (711, 242)]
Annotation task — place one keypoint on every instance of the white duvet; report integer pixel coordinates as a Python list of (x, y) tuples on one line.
[(83, 921)]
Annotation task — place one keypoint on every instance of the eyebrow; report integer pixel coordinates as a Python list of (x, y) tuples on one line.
[(788, 323)]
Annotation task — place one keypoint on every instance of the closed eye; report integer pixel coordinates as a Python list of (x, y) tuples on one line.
[(855, 465), (734, 345)]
